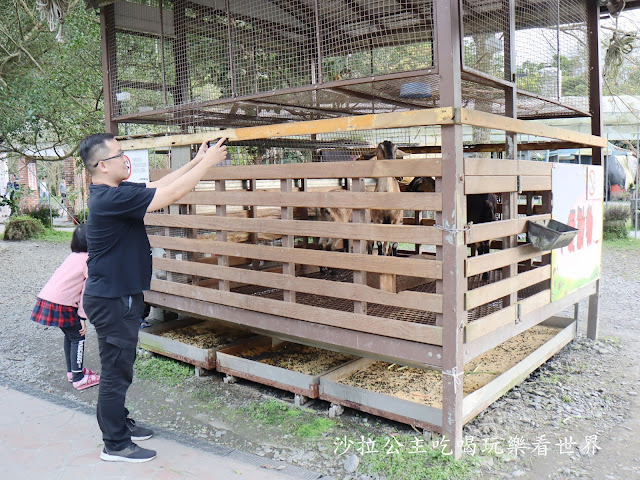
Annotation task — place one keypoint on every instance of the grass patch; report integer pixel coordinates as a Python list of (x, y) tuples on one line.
[(164, 370), (56, 236), (626, 243), (301, 423), (407, 457)]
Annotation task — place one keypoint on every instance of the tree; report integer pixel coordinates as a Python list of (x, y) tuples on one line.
[(50, 88)]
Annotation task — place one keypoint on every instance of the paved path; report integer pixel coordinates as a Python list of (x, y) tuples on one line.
[(43, 436)]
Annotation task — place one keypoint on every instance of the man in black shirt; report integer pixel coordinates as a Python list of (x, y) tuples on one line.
[(120, 270)]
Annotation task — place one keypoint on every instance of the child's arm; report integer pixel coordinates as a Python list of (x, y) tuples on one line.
[(83, 328)]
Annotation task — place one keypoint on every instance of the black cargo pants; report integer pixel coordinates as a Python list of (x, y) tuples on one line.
[(117, 323)]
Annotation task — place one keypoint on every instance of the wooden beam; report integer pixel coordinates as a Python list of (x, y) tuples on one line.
[(424, 268), (489, 323), (414, 167), (499, 122), (494, 166), (503, 228), (431, 116), (415, 300), (479, 346), (354, 231), (343, 199), (476, 402), (386, 349), (336, 318), (492, 261), (493, 291)]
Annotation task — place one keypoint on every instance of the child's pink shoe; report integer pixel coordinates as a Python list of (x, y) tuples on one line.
[(85, 371), (86, 382)]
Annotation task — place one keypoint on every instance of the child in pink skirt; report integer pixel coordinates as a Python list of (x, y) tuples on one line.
[(59, 304)]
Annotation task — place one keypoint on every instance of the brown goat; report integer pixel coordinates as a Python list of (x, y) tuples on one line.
[(422, 184), (333, 215), (386, 151)]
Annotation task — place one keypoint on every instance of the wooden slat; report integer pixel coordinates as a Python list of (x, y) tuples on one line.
[(535, 183), (490, 184), (416, 300), (363, 323), (413, 267), (534, 302), (504, 333), (413, 167), (342, 199), (410, 118), (490, 166), (476, 402), (491, 322), (493, 291), (499, 122), (504, 228), (363, 231), (492, 261)]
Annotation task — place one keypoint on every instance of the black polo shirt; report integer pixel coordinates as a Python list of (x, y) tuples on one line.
[(119, 252)]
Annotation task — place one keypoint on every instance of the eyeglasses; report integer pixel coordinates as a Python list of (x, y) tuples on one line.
[(119, 155)]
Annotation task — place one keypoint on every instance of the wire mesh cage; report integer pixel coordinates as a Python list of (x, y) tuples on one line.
[(188, 66)]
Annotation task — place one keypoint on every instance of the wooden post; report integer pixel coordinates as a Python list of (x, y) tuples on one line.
[(288, 241), (253, 213), (108, 51), (592, 316), (453, 250), (359, 246), (595, 95), (221, 236), (510, 200), (595, 84)]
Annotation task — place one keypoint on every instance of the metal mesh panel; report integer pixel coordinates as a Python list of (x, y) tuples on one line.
[(575, 80), (189, 66), (273, 45), (553, 64), (486, 26), (361, 38)]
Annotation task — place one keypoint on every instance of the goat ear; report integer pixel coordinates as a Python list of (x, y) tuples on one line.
[(400, 153), (368, 155)]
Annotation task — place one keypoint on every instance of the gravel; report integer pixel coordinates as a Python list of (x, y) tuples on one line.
[(589, 388)]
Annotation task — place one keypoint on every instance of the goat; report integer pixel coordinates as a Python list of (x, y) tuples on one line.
[(333, 215), (386, 151), (332, 244), (422, 184), (481, 208)]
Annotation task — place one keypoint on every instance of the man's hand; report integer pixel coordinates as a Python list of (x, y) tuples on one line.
[(215, 153), (202, 150)]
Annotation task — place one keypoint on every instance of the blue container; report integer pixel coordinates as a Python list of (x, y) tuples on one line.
[(415, 90)]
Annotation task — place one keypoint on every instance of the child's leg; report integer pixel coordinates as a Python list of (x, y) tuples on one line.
[(76, 351), (67, 351)]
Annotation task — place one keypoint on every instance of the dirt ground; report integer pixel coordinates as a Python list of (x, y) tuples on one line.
[(588, 389)]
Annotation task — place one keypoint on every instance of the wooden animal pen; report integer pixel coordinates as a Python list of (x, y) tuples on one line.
[(302, 89)]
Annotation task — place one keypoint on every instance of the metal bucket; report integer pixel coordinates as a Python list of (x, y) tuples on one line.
[(550, 234)]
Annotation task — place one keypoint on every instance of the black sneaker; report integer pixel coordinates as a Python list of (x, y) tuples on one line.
[(132, 454), (137, 432)]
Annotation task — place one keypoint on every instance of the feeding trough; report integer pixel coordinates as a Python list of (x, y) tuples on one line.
[(285, 365), (191, 340), (550, 234)]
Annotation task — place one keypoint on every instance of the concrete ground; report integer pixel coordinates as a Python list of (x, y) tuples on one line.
[(43, 436)]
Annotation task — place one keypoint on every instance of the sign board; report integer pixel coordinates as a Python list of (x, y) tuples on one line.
[(595, 182), (578, 202), (138, 163)]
